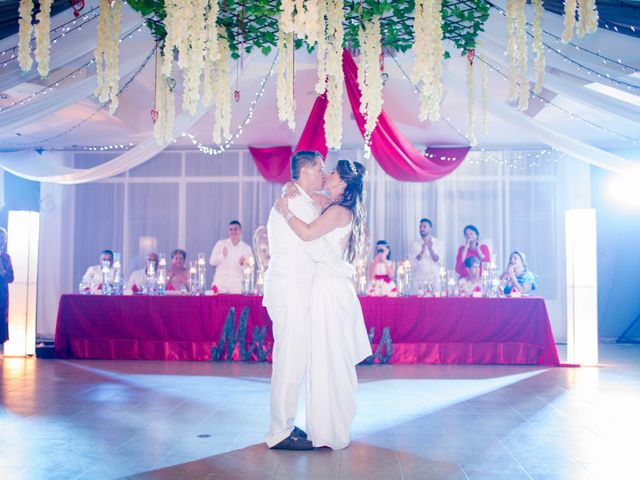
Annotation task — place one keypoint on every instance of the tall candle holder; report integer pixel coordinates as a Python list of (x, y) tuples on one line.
[(260, 284), (246, 280), (251, 263), (162, 274), (361, 277), (441, 282), (150, 285), (401, 280), (118, 281), (451, 284), (202, 274), (485, 283), (106, 281), (407, 277), (193, 278)]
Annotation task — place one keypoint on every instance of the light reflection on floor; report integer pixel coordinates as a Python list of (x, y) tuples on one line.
[(101, 419)]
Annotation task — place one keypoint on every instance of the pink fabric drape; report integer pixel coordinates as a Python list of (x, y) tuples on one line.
[(395, 154)]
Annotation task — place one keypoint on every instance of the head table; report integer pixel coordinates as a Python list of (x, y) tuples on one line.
[(402, 330)]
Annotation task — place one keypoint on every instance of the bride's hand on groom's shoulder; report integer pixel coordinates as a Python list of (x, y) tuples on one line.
[(289, 190), (282, 205)]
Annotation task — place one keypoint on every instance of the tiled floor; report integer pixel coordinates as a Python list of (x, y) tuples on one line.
[(171, 420)]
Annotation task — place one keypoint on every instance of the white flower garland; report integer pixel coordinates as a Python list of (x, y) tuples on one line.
[(108, 52), (222, 91), (523, 81), (471, 129), (165, 106), (517, 53), (569, 20), (43, 39), (429, 53), (212, 52), (334, 74), (194, 55), (484, 82), (537, 46), (512, 47), (369, 78), (587, 17), (25, 29), (286, 16), (284, 80)]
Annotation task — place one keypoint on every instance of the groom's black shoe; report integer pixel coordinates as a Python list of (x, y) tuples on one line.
[(299, 433), (293, 443)]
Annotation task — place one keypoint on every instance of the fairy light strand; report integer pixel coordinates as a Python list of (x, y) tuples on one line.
[(564, 110), (71, 75), (580, 66), (240, 130), (97, 110)]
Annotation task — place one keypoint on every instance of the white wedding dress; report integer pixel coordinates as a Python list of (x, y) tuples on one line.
[(339, 341)]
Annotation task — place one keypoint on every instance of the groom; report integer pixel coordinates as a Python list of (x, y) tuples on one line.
[(287, 295)]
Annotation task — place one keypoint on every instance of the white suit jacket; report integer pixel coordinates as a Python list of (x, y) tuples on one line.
[(291, 267)]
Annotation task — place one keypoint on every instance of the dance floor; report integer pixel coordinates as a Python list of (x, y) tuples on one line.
[(91, 419)]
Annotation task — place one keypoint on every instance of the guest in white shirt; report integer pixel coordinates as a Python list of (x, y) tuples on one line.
[(92, 278), (229, 256), (139, 278), (427, 256)]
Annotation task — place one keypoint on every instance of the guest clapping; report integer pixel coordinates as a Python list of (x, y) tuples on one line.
[(427, 256), (471, 248), (178, 274), (229, 256), (381, 272), (472, 282), (517, 278)]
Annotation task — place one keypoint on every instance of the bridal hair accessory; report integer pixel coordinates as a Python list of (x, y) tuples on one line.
[(352, 166)]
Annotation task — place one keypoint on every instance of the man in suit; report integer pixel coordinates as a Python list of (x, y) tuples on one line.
[(287, 295)]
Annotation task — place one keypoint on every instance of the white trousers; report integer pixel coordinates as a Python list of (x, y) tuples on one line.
[(291, 334)]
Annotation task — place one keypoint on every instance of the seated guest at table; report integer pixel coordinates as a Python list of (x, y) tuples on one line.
[(517, 277), (472, 282), (178, 274), (139, 278), (426, 255), (381, 272), (92, 279), (471, 248), (229, 256)]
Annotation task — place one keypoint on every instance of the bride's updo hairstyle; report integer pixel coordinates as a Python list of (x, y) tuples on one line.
[(352, 174)]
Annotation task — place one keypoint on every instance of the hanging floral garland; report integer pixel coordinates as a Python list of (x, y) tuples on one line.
[(284, 80), (222, 93), (537, 46), (484, 82), (569, 20), (429, 55), (370, 78), (108, 52), (24, 36), (521, 40), (587, 17), (334, 74), (43, 39), (164, 105), (471, 128), (192, 59), (212, 56)]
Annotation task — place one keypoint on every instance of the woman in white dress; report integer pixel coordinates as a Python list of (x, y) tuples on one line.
[(339, 339)]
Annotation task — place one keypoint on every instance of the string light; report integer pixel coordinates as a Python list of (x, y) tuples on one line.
[(100, 108), (571, 114), (580, 66), (240, 130), (88, 17), (71, 75)]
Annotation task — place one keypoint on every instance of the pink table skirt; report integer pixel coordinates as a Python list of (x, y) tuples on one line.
[(416, 330)]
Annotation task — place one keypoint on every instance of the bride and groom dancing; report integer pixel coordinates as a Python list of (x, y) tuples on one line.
[(318, 327)]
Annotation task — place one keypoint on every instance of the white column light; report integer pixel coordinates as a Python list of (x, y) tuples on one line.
[(23, 229), (582, 287)]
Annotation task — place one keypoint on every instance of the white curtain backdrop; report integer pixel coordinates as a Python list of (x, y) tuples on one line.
[(186, 199)]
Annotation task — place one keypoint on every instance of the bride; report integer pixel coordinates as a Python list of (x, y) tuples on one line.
[(339, 339)]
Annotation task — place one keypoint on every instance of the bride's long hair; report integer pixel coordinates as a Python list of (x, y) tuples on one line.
[(354, 196)]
